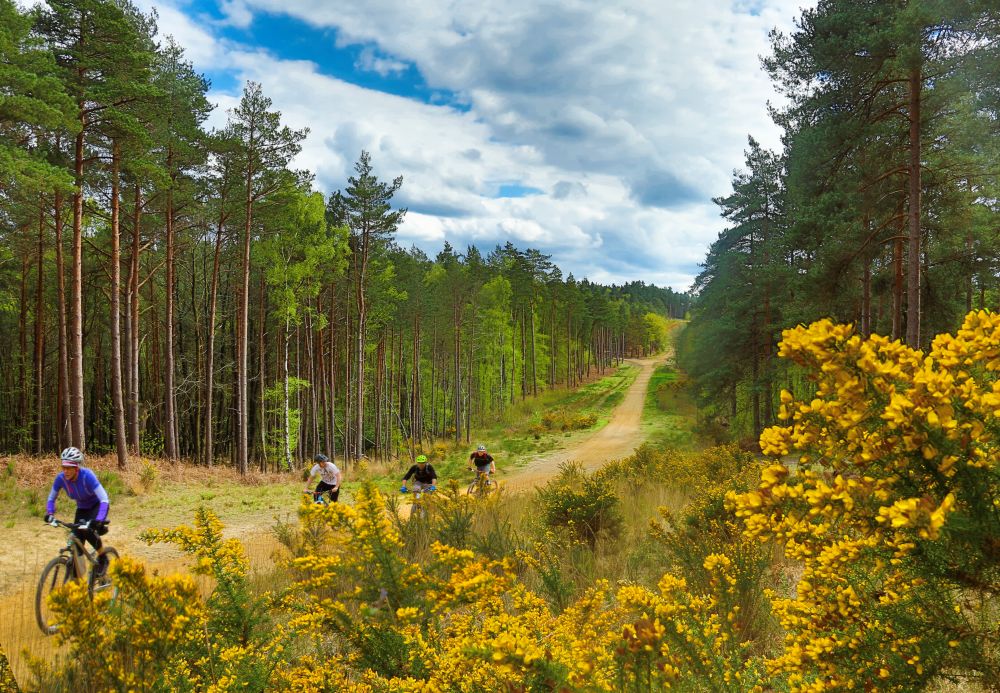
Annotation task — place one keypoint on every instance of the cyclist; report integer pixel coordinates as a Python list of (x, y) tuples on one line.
[(92, 502), (424, 476), (329, 475), (483, 461)]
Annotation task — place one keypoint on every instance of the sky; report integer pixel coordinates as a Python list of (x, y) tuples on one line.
[(597, 131)]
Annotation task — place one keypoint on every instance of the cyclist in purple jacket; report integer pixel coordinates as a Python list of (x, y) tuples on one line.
[(81, 485)]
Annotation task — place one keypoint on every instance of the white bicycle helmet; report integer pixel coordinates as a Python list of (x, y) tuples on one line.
[(71, 457), (481, 448)]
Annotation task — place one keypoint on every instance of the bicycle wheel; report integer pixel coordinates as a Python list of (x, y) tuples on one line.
[(57, 573), (104, 584)]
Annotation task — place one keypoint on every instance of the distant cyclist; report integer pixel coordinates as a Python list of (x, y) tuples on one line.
[(424, 476), (92, 502), (483, 461), (329, 476)]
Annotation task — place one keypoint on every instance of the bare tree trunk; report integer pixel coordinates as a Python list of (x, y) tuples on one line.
[(210, 348), (314, 382), (169, 424), (39, 329), (65, 435), (359, 412), (416, 425), (913, 254), (242, 329), (897, 290), (121, 443), (133, 320), (22, 342), (458, 373), (332, 443), (262, 381), (524, 361), (284, 374), (76, 413), (534, 364)]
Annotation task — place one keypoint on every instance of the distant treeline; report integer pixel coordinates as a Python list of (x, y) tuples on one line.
[(882, 209), (165, 289)]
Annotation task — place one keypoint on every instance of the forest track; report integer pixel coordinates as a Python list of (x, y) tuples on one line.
[(30, 543), (618, 439)]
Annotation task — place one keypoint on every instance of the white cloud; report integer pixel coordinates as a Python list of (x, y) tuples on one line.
[(628, 116), (369, 61)]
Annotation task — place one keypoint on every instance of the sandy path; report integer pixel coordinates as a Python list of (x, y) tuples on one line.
[(617, 439), (30, 544)]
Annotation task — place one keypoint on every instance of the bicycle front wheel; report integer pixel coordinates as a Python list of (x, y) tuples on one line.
[(103, 584), (57, 573)]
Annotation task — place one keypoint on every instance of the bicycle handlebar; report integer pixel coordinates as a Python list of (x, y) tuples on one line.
[(56, 522)]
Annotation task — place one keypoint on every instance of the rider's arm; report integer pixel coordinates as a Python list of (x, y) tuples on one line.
[(339, 476), (312, 475), (411, 472), (50, 504)]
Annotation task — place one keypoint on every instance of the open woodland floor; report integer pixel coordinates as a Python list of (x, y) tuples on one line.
[(528, 449)]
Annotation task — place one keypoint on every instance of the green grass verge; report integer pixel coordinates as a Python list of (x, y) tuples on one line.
[(669, 415), (521, 433)]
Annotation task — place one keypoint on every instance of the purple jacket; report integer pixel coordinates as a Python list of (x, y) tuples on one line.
[(86, 490)]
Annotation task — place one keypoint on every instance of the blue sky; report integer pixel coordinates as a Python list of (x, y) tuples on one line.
[(596, 132)]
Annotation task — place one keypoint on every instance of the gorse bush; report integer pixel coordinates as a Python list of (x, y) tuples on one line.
[(873, 564), (893, 512), (581, 504), (160, 634)]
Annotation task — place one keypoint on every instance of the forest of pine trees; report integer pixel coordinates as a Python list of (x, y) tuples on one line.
[(166, 289), (882, 209)]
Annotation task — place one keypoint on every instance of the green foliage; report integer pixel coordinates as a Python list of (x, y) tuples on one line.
[(580, 504), (563, 421), (148, 476), (151, 443)]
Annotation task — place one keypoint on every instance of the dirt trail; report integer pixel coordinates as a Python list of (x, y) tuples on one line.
[(30, 544), (617, 439)]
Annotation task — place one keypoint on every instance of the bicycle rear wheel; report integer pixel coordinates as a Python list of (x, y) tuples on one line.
[(57, 573), (104, 583), (481, 487)]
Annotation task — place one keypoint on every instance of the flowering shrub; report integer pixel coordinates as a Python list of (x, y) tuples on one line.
[(584, 506), (159, 633), (888, 520), (893, 509)]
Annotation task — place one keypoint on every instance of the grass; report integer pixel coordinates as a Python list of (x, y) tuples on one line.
[(669, 413), (518, 435), (157, 493)]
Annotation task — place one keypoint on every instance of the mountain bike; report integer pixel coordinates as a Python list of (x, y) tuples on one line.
[(72, 564), (482, 485), (417, 505), (318, 498)]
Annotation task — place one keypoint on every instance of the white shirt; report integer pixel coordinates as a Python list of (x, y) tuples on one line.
[(328, 471)]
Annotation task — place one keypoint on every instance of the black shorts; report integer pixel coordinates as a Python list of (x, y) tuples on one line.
[(323, 487), (82, 515)]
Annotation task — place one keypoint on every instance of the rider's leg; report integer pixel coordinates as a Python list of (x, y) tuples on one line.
[(90, 536), (323, 487)]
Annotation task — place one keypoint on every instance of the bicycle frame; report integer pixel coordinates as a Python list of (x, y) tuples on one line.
[(77, 550)]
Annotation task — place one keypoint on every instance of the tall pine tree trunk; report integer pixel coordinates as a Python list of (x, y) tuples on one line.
[(40, 329), (242, 333), (458, 374), (210, 348), (121, 443), (76, 402), (133, 319), (63, 418), (170, 422), (913, 254)]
